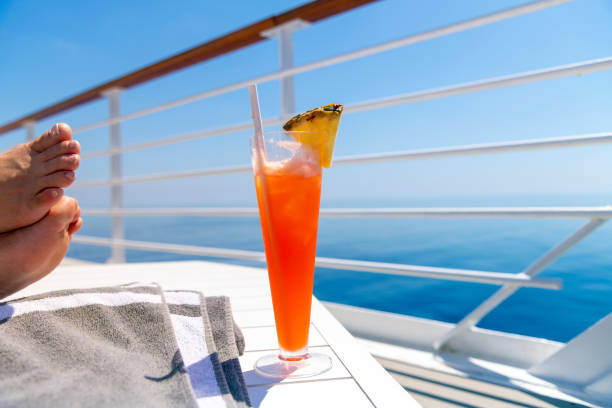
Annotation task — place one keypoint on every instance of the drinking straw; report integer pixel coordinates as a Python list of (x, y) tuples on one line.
[(256, 115), (259, 168)]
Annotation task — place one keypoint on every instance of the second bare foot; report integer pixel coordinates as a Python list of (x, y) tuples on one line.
[(28, 254)]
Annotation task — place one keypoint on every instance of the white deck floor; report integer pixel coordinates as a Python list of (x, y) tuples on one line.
[(356, 379), (436, 389)]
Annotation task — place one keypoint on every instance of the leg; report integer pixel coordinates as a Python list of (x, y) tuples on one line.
[(28, 254), (33, 174)]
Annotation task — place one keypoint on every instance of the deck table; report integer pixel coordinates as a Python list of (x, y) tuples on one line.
[(356, 380)]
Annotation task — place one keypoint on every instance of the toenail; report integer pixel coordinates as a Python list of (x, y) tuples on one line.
[(55, 129), (54, 193), (69, 174), (72, 144)]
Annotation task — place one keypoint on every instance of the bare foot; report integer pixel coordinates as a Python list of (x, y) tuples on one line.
[(33, 174), (28, 254)]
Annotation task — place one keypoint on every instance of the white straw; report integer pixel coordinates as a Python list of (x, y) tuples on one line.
[(258, 169), (256, 115)]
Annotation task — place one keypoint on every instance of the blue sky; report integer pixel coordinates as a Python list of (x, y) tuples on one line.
[(52, 50)]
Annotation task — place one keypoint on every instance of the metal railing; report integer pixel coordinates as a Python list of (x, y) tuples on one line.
[(596, 216)]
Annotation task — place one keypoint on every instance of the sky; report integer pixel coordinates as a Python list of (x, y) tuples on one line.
[(52, 50)]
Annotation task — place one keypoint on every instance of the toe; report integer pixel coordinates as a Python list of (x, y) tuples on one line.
[(65, 212), (48, 197), (58, 133), (64, 162), (59, 149), (75, 226), (60, 179)]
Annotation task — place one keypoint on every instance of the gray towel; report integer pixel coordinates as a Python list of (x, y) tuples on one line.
[(116, 346), (229, 345), (211, 343)]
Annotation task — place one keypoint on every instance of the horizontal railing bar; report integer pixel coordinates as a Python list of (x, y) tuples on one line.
[(172, 248), (181, 138), (408, 40), (190, 212), (486, 148), (602, 212), (169, 176), (437, 273), (562, 71), (333, 263)]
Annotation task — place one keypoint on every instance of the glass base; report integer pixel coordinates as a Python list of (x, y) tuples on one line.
[(308, 365)]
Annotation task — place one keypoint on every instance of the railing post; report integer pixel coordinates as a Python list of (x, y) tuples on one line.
[(505, 291), (30, 127), (116, 190), (284, 32)]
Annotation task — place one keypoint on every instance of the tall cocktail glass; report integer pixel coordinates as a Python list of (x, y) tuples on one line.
[(288, 183)]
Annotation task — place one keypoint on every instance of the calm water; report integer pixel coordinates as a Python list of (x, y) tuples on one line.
[(491, 245)]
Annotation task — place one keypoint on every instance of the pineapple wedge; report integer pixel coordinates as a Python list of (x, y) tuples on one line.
[(317, 128)]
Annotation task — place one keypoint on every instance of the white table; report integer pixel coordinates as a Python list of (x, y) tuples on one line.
[(356, 379)]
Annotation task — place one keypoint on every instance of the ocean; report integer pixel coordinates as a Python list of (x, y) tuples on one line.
[(500, 245)]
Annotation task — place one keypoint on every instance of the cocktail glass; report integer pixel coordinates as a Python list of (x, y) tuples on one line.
[(288, 183)]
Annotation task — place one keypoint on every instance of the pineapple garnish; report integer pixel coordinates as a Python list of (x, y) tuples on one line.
[(317, 128)]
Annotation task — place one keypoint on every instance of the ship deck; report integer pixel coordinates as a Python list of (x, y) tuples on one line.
[(435, 389)]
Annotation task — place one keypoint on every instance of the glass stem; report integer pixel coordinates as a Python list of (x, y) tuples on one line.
[(293, 355)]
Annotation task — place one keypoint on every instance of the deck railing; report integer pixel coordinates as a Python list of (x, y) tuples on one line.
[(595, 216)]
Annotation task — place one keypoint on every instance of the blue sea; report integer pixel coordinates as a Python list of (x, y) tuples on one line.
[(500, 245)]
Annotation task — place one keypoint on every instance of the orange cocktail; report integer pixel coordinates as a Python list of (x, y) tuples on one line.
[(291, 205), (287, 168), (288, 184)]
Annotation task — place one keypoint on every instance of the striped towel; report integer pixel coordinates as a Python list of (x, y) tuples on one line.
[(123, 346)]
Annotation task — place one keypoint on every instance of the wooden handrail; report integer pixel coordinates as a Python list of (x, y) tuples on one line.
[(311, 12)]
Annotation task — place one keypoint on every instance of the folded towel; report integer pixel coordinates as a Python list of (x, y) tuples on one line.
[(229, 346), (130, 345), (210, 343)]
